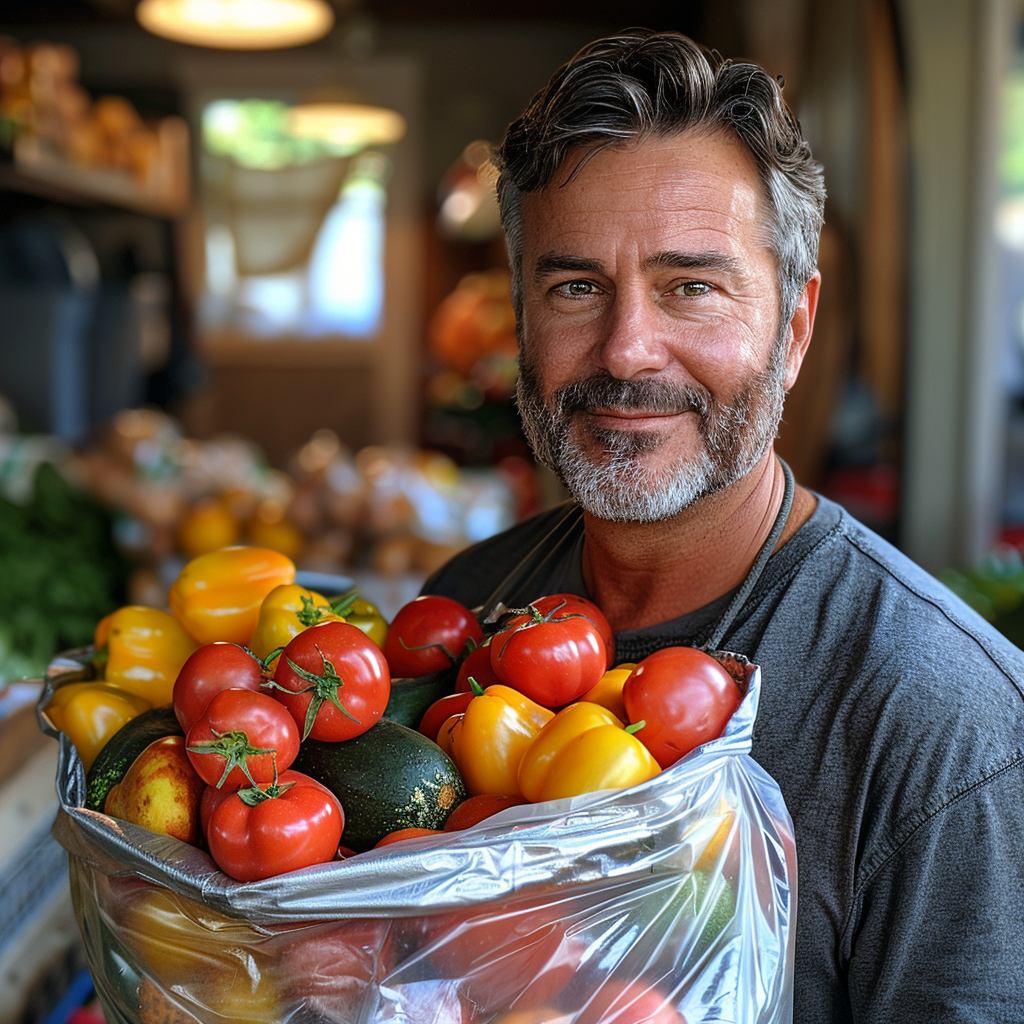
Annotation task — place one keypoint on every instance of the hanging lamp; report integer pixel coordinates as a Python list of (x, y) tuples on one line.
[(348, 125), (237, 24)]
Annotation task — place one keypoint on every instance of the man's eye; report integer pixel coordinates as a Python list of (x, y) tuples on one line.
[(576, 288), (693, 288)]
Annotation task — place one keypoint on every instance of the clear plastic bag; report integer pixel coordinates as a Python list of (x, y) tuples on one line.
[(670, 902)]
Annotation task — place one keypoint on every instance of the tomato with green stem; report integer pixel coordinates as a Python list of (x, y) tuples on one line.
[(242, 738), (582, 606), (334, 681), (428, 635), (552, 656), (290, 823)]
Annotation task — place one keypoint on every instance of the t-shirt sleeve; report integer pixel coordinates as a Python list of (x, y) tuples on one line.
[(937, 934)]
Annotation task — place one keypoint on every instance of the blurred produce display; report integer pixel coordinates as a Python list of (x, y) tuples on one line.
[(390, 509), (50, 123), (472, 338), (60, 572), (995, 590)]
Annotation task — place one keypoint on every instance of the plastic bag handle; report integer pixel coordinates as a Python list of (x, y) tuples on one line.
[(568, 527)]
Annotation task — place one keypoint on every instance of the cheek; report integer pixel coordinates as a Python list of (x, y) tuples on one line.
[(554, 361), (723, 352)]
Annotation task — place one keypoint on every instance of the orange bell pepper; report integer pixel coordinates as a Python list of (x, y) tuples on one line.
[(286, 611), (583, 749), (489, 739), (217, 596), (141, 650), (90, 713)]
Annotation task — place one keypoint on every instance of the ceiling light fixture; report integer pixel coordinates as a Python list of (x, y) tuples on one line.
[(345, 124), (237, 24)]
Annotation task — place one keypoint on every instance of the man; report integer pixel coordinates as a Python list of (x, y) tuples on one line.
[(662, 213)]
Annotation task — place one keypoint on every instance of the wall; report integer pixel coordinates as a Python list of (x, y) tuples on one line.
[(955, 52)]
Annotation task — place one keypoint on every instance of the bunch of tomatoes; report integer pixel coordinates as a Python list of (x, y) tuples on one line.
[(243, 726)]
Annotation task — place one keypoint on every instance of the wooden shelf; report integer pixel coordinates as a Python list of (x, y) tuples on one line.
[(86, 186)]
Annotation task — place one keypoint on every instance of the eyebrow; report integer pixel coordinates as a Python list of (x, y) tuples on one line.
[(708, 260), (552, 262), (713, 260)]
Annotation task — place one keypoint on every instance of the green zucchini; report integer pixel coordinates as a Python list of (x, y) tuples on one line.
[(411, 697), (388, 778), (123, 747)]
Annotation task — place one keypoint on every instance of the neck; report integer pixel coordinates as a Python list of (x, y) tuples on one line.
[(641, 574)]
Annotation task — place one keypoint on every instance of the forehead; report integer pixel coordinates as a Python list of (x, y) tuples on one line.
[(694, 189)]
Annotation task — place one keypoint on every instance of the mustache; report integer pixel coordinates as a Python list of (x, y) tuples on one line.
[(601, 391)]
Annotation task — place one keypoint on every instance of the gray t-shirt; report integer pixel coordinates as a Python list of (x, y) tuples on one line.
[(892, 718)]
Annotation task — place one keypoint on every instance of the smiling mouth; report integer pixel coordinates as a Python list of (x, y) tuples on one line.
[(634, 417)]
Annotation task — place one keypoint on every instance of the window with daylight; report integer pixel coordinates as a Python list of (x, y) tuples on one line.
[(294, 227)]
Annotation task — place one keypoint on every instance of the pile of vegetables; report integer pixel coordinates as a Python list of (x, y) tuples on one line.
[(280, 728)]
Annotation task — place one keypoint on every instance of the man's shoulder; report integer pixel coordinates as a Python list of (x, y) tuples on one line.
[(889, 597), (473, 575), (899, 695)]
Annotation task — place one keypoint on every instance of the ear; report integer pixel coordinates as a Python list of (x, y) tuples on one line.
[(800, 328)]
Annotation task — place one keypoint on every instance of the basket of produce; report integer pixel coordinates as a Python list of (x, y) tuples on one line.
[(279, 808)]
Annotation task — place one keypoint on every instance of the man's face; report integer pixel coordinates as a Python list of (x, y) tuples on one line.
[(653, 363)]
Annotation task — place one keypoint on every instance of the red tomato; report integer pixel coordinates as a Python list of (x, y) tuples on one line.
[(517, 955), (212, 668), (478, 808), (296, 824), (552, 657), (441, 710), (630, 1002), (400, 835), (428, 635), (685, 698), (331, 968), (334, 681), (477, 665), (575, 603), (211, 799), (242, 738)]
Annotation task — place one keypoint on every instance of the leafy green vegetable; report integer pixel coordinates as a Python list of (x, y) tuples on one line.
[(59, 573)]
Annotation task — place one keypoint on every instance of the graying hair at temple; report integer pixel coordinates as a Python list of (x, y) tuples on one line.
[(643, 83)]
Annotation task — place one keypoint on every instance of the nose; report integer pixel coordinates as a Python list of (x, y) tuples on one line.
[(631, 343)]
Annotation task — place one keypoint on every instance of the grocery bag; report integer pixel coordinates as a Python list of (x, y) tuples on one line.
[(672, 901)]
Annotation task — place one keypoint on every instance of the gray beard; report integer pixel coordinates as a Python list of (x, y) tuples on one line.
[(616, 485)]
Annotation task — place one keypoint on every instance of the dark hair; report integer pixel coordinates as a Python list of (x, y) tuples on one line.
[(644, 83)]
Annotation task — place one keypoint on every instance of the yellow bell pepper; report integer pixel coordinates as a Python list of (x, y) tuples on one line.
[(489, 740), (217, 596), (90, 713), (607, 691), (225, 965), (583, 749), (141, 650), (364, 616), (286, 611)]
